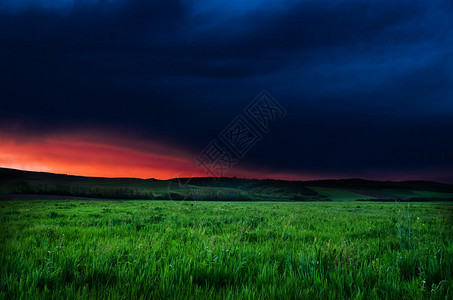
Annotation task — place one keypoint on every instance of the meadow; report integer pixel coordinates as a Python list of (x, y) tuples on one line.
[(54, 249)]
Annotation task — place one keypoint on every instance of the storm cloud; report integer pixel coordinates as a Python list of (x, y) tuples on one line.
[(367, 85)]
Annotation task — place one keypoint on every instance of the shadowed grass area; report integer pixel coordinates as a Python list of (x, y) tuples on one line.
[(175, 249)]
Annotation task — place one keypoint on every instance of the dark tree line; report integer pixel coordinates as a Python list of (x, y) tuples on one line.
[(23, 187)]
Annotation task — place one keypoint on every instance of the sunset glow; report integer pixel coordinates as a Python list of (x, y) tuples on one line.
[(90, 154), (100, 153)]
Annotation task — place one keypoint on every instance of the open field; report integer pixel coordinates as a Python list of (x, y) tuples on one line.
[(339, 194), (167, 249)]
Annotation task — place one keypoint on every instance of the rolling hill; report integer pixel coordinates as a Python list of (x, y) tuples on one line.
[(14, 183)]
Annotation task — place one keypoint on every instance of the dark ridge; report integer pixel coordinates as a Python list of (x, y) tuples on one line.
[(372, 184), (11, 179), (14, 174)]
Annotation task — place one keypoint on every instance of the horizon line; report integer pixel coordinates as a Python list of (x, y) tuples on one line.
[(230, 177)]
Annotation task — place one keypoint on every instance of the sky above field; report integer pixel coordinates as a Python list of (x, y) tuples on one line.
[(142, 88)]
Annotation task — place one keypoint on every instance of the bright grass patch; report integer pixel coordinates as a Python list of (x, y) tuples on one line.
[(173, 249)]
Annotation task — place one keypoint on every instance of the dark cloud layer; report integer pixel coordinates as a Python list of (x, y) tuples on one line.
[(368, 85)]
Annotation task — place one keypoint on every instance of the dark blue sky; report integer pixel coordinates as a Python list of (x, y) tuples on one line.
[(367, 85)]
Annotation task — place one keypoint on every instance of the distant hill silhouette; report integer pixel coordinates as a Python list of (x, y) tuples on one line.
[(14, 181)]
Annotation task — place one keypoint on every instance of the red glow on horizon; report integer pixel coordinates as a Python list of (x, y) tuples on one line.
[(95, 155), (102, 154)]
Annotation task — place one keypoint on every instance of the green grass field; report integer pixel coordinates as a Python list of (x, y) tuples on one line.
[(338, 194), (250, 250)]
